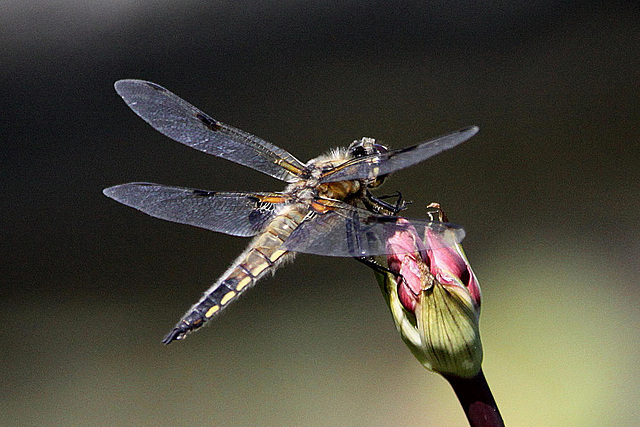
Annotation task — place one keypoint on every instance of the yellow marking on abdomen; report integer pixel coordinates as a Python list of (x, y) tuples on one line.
[(259, 269), (276, 255), (212, 311), (242, 283), (228, 297)]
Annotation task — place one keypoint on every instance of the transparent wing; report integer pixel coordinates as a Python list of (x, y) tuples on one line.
[(238, 214), (370, 167), (346, 231), (181, 121)]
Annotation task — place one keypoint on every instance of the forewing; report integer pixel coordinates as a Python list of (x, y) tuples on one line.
[(181, 121), (238, 214), (346, 231), (370, 167)]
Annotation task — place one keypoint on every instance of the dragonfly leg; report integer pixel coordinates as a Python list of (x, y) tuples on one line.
[(378, 205), (435, 213)]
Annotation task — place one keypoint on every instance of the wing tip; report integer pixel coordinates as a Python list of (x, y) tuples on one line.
[(115, 190), (124, 86), (111, 191), (470, 130)]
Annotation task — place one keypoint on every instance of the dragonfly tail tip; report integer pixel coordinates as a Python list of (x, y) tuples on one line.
[(175, 334)]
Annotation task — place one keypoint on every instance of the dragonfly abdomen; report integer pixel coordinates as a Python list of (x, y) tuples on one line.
[(262, 256)]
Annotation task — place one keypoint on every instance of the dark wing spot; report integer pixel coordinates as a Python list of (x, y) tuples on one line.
[(203, 193), (260, 214), (402, 150), (156, 87), (208, 122), (256, 218)]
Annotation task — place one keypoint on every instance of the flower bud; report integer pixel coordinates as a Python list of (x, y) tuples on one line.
[(434, 298)]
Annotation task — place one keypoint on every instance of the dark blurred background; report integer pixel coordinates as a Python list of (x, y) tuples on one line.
[(548, 191)]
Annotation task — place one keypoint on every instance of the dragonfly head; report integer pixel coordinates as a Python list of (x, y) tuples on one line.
[(365, 147), (368, 147)]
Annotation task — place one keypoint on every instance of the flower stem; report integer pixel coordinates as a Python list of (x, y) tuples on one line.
[(476, 400)]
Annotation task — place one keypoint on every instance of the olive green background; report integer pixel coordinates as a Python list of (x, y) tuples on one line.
[(548, 191)]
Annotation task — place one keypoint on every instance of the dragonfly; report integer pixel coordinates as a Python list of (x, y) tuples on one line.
[(327, 207)]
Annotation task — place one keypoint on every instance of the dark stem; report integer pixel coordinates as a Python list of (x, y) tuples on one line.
[(476, 400)]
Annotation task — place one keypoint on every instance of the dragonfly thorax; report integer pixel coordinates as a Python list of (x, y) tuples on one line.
[(340, 190), (307, 190)]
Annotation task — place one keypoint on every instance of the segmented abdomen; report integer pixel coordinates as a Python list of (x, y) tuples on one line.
[(262, 255)]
